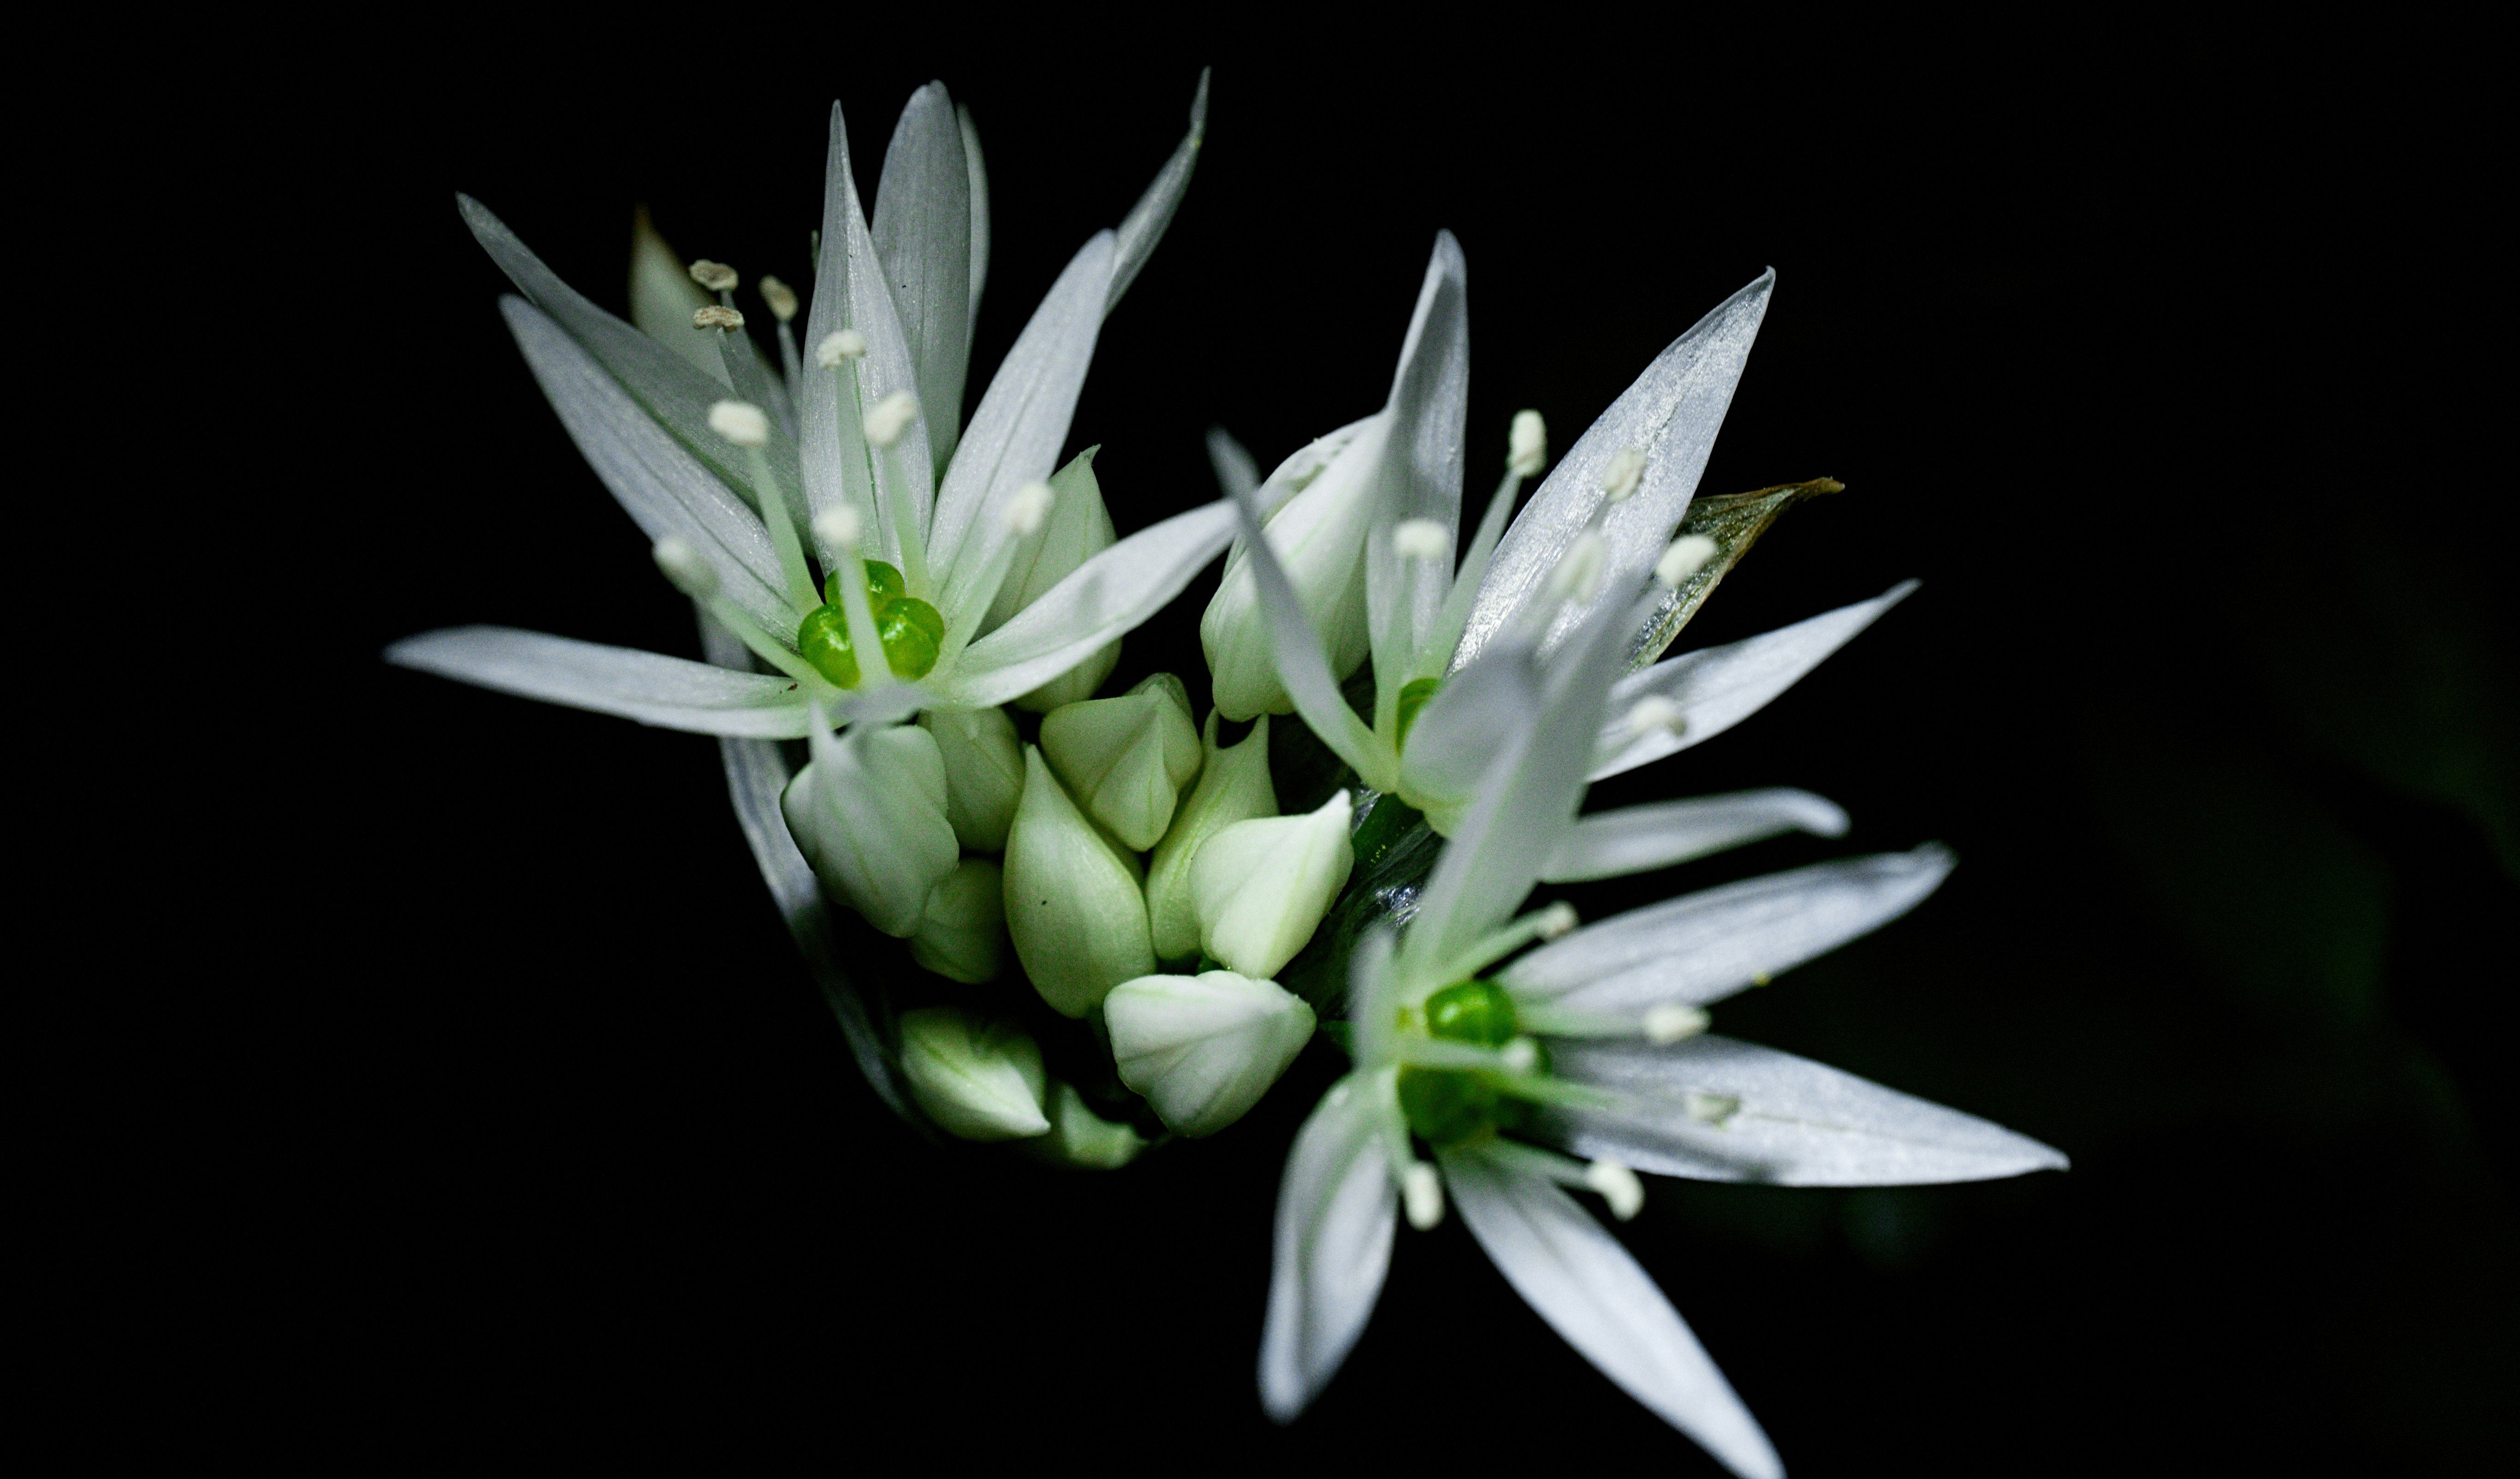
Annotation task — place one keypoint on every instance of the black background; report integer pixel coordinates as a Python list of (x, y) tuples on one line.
[(2146, 352)]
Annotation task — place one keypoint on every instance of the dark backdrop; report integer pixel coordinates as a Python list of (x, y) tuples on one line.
[(2142, 351)]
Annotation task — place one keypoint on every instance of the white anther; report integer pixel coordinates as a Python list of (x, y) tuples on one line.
[(1419, 539), (1618, 1186), (1710, 1108), (1520, 1055), (741, 422), (714, 317), (1424, 1193), (841, 344), (1670, 1022), (892, 417), (781, 297), (1687, 555), (1578, 576), (1028, 508), (838, 526), (689, 571), (1556, 919), (1620, 478), (716, 277), (1655, 712), (1526, 446)]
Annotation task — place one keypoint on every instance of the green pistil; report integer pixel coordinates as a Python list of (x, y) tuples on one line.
[(909, 629), (1454, 1106)]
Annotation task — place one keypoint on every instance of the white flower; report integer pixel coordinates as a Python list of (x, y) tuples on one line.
[(980, 1081), (1260, 887), (1204, 1049), (1588, 1044)]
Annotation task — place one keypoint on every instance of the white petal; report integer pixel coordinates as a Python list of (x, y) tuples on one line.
[(1636, 838), (1672, 414), (1020, 425), (1422, 469), (1335, 1212), (922, 236), (663, 296), (1204, 1049), (663, 487), (1100, 599), (1704, 947), (664, 384), (850, 292), (1717, 687), (1461, 730), (670, 693), (1145, 222), (1592, 1292), (979, 214), (1797, 1123)]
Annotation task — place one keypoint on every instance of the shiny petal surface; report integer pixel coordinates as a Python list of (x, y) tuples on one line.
[(1421, 467), (670, 693), (923, 237), (1636, 838), (1337, 1209), (1144, 224)]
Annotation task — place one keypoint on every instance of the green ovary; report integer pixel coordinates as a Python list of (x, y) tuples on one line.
[(1454, 1106), (909, 629)]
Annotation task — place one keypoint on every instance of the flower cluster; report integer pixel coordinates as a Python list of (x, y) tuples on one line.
[(911, 619)]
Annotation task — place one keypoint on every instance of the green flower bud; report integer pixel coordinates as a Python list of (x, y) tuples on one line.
[(980, 1080), (1072, 902), (1078, 528), (1261, 887), (1078, 1136), (984, 771), (1318, 536), (1125, 759), (1203, 1049), (869, 814), (1233, 785), (963, 932)]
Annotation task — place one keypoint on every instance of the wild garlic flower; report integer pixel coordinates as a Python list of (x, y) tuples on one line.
[(1592, 1043)]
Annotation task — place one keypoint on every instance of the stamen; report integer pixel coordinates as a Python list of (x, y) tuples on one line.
[(1578, 576), (1687, 556), (841, 344), (1655, 712), (715, 317), (1526, 445), (716, 277), (1419, 539), (1422, 1190), (1025, 510), (1618, 1186), (781, 297), (838, 526), (892, 417), (1542, 925), (1670, 1022), (1626, 468), (691, 574), (1520, 1055), (1556, 921), (738, 421), (688, 568)]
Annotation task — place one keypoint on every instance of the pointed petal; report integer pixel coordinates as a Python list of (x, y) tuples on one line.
[(1636, 838), (663, 487), (670, 693), (663, 297), (1759, 1116), (980, 220), (850, 292), (1145, 222), (1591, 1291), (1023, 420), (664, 384), (923, 237), (1103, 598), (1422, 469), (1717, 687), (1335, 1221), (1671, 413), (1704, 947)]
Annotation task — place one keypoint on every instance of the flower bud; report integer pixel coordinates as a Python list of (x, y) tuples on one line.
[(1318, 536), (1125, 759), (963, 932), (1079, 1137), (1203, 1049), (984, 771), (1072, 902), (1261, 887), (869, 814), (1233, 785), (980, 1080), (1077, 529)]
